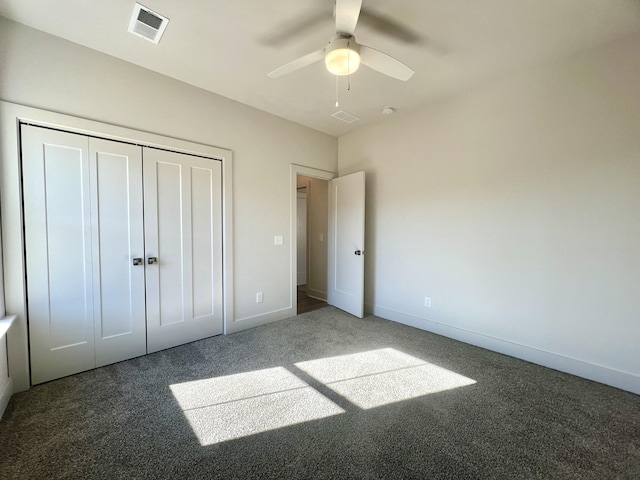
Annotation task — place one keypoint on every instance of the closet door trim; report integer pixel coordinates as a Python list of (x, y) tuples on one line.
[(12, 116)]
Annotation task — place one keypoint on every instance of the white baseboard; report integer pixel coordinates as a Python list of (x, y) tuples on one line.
[(6, 382), (259, 320), (609, 376), (5, 396), (317, 294)]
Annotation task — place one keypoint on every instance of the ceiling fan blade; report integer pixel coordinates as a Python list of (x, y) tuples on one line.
[(297, 64), (384, 63), (347, 13), (287, 30), (389, 27)]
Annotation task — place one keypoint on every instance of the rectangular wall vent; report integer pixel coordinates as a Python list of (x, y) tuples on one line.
[(147, 24), (345, 116)]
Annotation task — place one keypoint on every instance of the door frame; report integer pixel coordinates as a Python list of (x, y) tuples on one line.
[(296, 170), (11, 116)]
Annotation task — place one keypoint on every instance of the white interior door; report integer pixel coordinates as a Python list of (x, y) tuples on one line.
[(57, 209), (118, 250), (346, 244), (183, 237)]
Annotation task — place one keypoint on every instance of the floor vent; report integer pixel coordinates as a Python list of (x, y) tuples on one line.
[(147, 24), (345, 116)]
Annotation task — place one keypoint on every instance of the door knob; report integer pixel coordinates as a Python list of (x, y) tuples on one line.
[(152, 260), (358, 252), (137, 261)]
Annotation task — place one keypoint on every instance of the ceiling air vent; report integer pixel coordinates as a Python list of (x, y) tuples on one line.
[(345, 116), (147, 24)]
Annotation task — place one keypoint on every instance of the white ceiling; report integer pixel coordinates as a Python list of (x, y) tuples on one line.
[(229, 46)]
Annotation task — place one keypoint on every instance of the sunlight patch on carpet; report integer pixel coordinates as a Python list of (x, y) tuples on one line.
[(235, 406), (381, 377)]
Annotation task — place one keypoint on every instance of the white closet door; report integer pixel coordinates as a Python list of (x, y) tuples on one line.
[(118, 251), (183, 231), (57, 204)]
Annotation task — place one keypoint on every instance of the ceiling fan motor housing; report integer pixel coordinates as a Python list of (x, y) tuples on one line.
[(342, 55)]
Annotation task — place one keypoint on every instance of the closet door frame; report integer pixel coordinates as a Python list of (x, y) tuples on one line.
[(11, 117)]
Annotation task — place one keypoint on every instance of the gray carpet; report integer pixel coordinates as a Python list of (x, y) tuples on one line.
[(322, 395)]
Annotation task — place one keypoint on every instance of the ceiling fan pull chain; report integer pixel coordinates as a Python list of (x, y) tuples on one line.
[(337, 89), (348, 68)]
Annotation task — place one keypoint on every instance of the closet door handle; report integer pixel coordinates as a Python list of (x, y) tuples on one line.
[(152, 260), (137, 261)]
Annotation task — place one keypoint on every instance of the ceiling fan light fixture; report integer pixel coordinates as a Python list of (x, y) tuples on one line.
[(342, 56)]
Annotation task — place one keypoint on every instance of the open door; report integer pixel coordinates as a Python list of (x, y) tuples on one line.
[(345, 288)]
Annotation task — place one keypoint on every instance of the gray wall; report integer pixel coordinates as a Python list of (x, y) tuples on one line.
[(46, 72), (516, 208)]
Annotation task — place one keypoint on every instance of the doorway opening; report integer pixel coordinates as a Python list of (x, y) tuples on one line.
[(309, 224), (311, 246)]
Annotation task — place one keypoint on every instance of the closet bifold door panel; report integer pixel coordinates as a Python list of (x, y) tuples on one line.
[(83, 229), (183, 244), (118, 250), (57, 211), (123, 249)]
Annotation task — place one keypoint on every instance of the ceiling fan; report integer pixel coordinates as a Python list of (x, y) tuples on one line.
[(343, 55)]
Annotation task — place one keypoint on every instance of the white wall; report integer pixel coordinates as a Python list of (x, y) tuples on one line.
[(516, 207), (46, 72), (2, 306)]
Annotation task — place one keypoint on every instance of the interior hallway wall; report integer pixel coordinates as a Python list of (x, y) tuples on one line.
[(301, 238), (317, 222)]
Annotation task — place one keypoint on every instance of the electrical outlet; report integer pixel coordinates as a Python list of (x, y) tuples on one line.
[(321, 237), (259, 297), (278, 240), (427, 302)]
